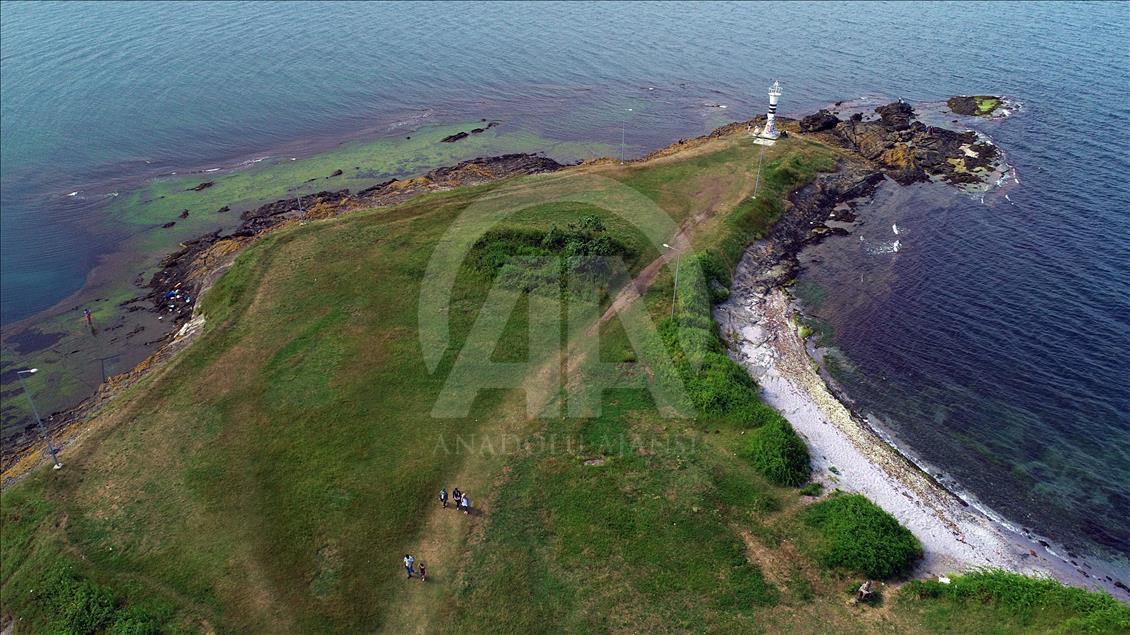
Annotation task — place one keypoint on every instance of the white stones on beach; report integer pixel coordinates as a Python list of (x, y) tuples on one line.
[(846, 453)]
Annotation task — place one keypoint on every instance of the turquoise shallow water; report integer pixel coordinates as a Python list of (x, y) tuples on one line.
[(997, 346)]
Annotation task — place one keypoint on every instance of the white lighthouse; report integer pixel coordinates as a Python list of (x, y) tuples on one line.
[(769, 133)]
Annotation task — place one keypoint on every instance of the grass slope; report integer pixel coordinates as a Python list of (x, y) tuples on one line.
[(270, 478)]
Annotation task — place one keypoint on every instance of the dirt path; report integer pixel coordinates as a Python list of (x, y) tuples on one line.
[(448, 536), (680, 245)]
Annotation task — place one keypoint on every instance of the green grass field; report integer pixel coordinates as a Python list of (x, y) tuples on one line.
[(70, 370), (271, 477)]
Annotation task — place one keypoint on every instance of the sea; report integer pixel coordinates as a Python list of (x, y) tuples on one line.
[(992, 344)]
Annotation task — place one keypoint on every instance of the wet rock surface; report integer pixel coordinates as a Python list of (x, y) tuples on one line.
[(774, 259), (820, 120), (172, 290), (970, 105), (459, 136), (906, 149)]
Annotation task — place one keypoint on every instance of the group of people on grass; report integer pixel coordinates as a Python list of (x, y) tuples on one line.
[(463, 503), (461, 499), (410, 567)]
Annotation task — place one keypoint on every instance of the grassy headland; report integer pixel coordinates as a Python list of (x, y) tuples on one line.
[(70, 365), (271, 476)]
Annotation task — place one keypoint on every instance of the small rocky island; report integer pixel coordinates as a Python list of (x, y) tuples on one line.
[(975, 105)]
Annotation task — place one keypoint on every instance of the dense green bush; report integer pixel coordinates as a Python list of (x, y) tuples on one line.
[(778, 453), (529, 259), (1075, 610), (78, 605), (859, 536), (812, 489)]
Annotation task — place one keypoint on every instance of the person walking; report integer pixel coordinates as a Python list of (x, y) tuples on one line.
[(443, 496), (466, 505), (408, 561), (457, 496), (423, 573)]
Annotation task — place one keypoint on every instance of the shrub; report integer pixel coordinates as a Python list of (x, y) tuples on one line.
[(762, 414), (88, 608), (719, 389), (135, 621), (76, 604), (1075, 610), (812, 489), (528, 259), (859, 536), (778, 453)]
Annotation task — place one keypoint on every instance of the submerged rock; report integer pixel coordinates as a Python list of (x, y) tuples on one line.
[(458, 136)]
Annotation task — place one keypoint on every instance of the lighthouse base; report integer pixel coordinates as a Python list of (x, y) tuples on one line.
[(765, 136)]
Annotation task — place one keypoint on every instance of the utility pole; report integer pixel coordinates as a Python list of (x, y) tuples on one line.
[(39, 422)]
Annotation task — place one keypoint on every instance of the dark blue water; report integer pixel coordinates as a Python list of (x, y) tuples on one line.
[(1002, 328)]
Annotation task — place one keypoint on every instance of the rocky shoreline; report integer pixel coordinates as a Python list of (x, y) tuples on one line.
[(908, 150), (187, 272), (759, 323), (182, 271), (893, 145)]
